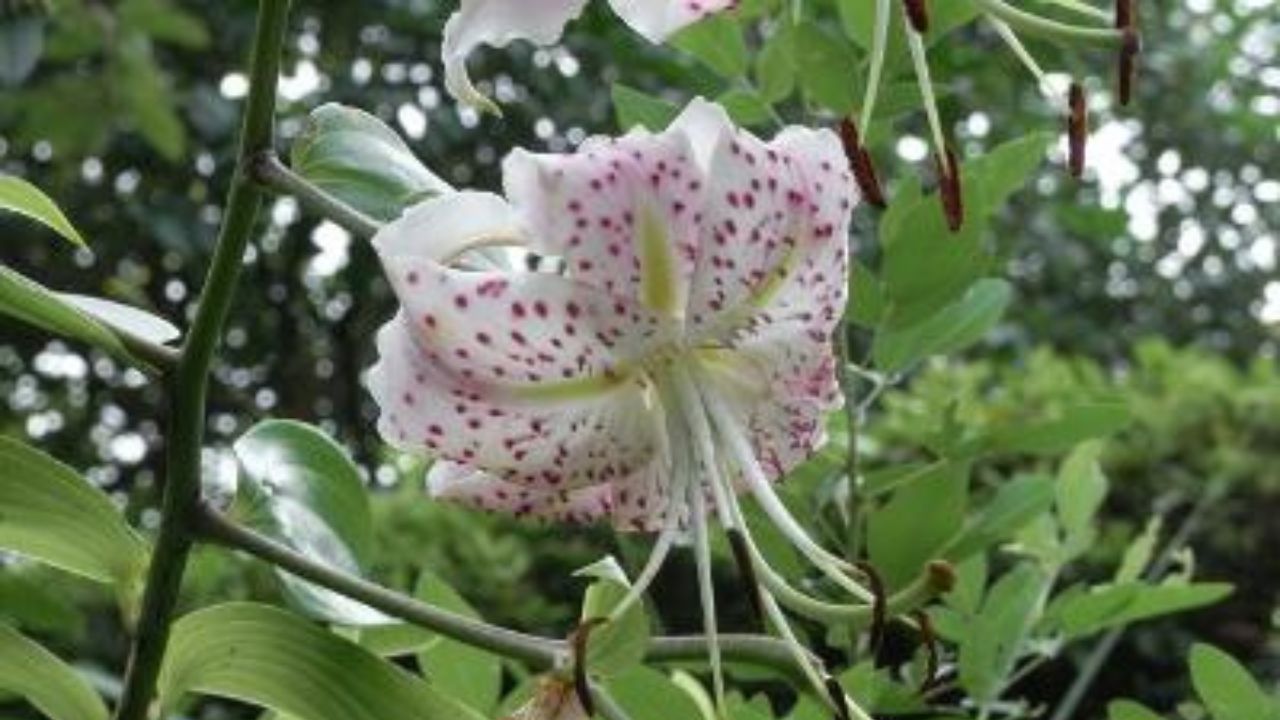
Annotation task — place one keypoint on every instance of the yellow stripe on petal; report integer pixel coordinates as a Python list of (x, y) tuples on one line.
[(659, 281), (567, 390)]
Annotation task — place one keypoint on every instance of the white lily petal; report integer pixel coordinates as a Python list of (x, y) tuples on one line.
[(658, 19), (497, 23), (444, 227)]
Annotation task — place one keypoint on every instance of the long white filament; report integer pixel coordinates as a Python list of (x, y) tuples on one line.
[(916, 45), (1015, 45), (657, 556), (879, 44), (830, 565), (706, 591)]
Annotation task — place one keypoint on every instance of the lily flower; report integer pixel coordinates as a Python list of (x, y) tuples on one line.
[(683, 357), (499, 22)]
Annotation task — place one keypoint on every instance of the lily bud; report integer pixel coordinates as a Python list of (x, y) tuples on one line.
[(860, 162), (1077, 129), (917, 14), (949, 189)]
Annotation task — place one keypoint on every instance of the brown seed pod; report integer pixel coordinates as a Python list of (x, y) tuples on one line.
[(917, 15), (949, 189), (1077, 130), (860, 162)]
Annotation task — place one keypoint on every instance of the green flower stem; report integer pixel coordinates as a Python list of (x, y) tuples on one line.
[(188, 385), (267, 170), (1052, 29), (853, 419), (156, 359), (214, 527)]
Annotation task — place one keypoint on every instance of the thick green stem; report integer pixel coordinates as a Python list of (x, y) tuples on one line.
[(269, 172), (188, 386), (543, 652)]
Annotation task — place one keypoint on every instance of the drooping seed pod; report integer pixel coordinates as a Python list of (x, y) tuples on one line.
[(917, 15), (860, 162), (1077, 129), (949, 189)]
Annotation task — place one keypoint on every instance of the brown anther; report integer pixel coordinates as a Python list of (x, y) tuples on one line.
[(578, 642), (742, 556), (1130, 47), (879, 609), (917, 14), (1077, 130), (930, 641), (837, 698), (949, 189), (864, 170)]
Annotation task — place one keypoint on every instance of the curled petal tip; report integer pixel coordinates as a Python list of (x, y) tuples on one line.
[(860, 162), (1077, 129), (949, 189), (917, 15)]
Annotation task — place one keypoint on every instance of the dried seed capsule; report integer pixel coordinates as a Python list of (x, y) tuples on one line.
[(949, 189), (860, 162), (917, 14), (1077, 130)]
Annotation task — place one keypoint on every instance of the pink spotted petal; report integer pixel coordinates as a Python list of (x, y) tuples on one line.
[(624, 214), (775, 242), (658, 19)]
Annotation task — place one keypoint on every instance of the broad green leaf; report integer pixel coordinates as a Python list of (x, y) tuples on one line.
[(274, 659), (132, 320), (991, 645), (1138, 555), (51, 514), (1083, 614), (1227, 689), (34, 304), (615, 646), (355, 157), (37, 675), (866, 298), (826, 64), (1079, 493), (163, 21), (776, 65), (21, 45), (1015, 504), (877, 692), (147, 95), (949, 330), (1064, 428), (717, 41), (470, 676), (19, 196), (298, 486), (915, 525), (1129, 710), (745, 107), (647, 694), (635, 108), (30, 602)]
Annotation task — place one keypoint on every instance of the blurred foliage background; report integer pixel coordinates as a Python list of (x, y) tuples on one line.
[(128, 119)]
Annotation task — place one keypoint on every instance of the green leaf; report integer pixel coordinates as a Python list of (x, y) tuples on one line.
[(746, 107), (949, 330), (21, 45), (298, 486), (866, 299), (717, 41), (49, 513), (1226, 687), (1129, 710), (162, 21), (29, 601), (148, 97), (635, 108), (470, 676), (33, 673), (1015, 504), (132, 320), (1079, 493), (1064, 428), (358, 159), (1083, 614), (618, 645), (990, 648), (1138, 555), (776, 65), (825, 66), (647, 694), (274, 659), (19, 196), (917, 522)]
